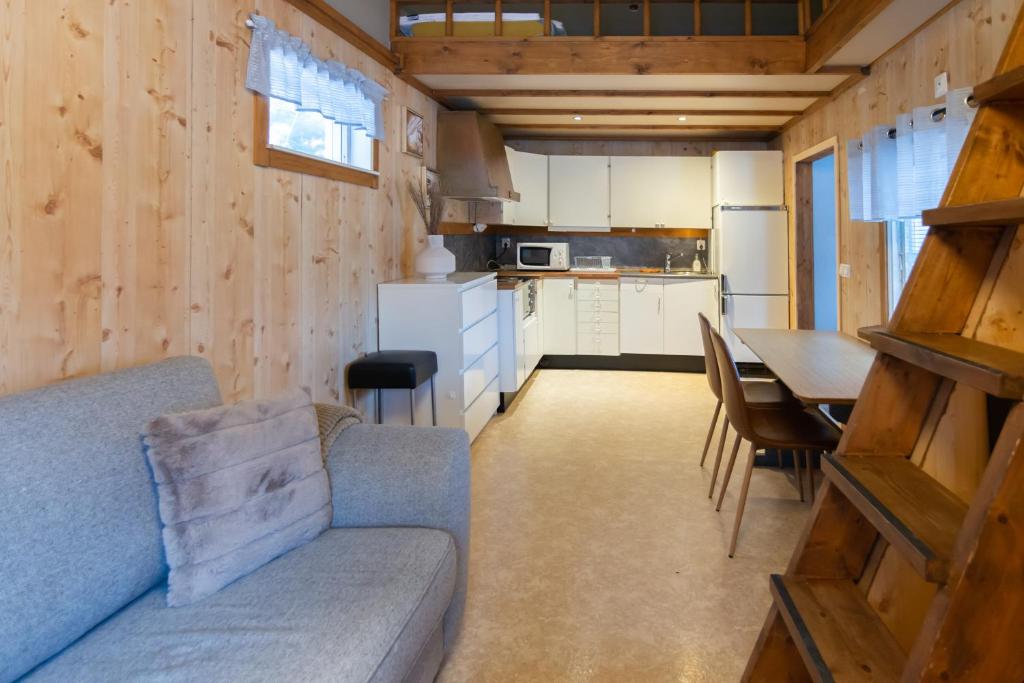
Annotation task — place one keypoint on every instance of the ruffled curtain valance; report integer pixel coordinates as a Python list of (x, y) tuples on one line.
[(895, 173), (282, 66)]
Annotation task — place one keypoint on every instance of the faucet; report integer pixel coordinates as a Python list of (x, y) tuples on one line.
[(668, 261)]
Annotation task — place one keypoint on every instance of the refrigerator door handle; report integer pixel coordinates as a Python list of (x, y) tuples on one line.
[(725, 304)]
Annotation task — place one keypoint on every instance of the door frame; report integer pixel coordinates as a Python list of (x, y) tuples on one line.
[(803, 219)]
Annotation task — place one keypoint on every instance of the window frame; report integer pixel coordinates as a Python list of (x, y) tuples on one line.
[(268, 156)]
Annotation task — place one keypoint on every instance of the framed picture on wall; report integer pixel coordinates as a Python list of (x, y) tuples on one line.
[(413, 142)]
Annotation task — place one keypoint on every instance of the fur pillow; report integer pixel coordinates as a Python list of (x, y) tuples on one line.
[(238, 486)]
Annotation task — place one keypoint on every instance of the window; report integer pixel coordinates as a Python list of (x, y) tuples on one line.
[(906, 237), (311, 134)]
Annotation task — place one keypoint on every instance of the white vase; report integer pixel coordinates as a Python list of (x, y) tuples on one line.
[(435, 262)]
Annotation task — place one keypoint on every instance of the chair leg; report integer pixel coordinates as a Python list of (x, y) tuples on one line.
[(433, 400), (412, 407), (711, 433), (380, 407), (728, 473), (799, 474), (718, 457), (810, 472), (778, 457), (743, 500)]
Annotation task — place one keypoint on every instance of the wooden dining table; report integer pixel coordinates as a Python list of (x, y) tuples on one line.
[(818, 367)]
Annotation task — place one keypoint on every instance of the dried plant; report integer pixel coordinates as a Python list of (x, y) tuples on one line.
[(430, 205)]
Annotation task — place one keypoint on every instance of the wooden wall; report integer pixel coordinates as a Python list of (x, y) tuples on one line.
[(134, 225), (966, 41)]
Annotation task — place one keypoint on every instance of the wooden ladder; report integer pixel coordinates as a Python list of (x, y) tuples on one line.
[(876, 500)]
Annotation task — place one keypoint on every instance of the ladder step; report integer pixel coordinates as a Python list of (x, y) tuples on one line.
[(1008, 87), (839, 636), (915, 513), (1004, 212), (992, 369)]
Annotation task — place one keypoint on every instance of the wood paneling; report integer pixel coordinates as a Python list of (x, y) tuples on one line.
[(967, 42), (135, 225)]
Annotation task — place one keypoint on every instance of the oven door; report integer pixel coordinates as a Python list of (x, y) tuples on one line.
[(534, 257)]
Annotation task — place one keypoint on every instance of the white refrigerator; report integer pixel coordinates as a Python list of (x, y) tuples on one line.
[(752, 245)]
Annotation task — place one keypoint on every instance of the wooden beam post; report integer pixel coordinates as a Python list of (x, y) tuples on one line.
[(696, 18), (498, 27), (647, 17), (748, 18), (597, 18), (449, 17), (394, 18), (547, 17)]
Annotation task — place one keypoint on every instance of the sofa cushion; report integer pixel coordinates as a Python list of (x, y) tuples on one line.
[(352, 605), (80, 534), (238, 485)]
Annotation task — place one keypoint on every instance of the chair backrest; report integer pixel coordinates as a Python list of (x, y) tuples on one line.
[(732, 388), (80, 532), (710, 359)]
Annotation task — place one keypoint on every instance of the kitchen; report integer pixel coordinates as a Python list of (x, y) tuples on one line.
[(599, 262)]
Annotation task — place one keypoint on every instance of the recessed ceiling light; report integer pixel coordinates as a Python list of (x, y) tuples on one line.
[(577, 117), (682, 118)]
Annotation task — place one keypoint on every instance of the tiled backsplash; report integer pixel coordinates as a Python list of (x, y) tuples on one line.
[(472, 252)]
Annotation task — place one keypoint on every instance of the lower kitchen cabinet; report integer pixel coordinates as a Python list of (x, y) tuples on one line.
[(684, 299), (559, 306), (659, 315), (597, 318)]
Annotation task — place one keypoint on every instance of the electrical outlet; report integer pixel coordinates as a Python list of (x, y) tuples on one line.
[(702, 245), (844, 270), (506, 242), (941, 84)]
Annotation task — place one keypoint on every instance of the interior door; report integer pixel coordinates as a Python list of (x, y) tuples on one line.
[(764, 312), (641, 311), (579, 192)]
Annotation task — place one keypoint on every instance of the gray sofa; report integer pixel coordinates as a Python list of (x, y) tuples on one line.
[(378, 597)]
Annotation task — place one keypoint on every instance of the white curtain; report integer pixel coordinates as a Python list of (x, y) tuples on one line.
[(282, 66), (898, 172)]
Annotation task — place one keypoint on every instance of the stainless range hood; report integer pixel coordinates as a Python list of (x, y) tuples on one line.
[(471, 158)]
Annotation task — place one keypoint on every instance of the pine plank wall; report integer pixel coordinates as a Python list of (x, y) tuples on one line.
[(135, 226)]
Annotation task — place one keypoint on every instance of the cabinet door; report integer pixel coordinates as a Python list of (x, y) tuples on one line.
[(661, 192), (560, 316), (641, 306), (684, 299), (530, 179), (579, 192)]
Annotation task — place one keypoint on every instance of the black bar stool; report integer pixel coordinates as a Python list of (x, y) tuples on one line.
[(396, 370)]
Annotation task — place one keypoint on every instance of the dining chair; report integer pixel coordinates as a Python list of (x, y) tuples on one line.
[(789, 427), (758, 394)]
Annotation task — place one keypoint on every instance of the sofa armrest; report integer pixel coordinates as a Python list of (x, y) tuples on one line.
[(406, 476)]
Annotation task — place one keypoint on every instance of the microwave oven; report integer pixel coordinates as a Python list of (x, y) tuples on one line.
[(542, 256)]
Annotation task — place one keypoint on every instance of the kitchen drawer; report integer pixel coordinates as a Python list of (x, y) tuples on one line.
[(604, 344), (598, 328), (479, 375), (477, 340), (591, 290), (602, 315), (479, 302), (476, 417), (597, 305)]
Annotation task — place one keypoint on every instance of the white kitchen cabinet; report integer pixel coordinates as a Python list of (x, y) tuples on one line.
[(579, 192), (661, 192), (641, 325), (456, 318), (597, 317), (530, 180), (559, 302), (511, 339), (747, 178), (684, 299)]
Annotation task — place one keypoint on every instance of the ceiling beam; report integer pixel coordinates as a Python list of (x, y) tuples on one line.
[(837, 27), (604, 137), (609, 55), (638, 112), (630, 127), (710, 94)]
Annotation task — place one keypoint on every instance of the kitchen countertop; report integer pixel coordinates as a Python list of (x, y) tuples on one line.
[(609, 275)]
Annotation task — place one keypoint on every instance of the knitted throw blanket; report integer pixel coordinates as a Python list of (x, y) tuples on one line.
[(333, 420)]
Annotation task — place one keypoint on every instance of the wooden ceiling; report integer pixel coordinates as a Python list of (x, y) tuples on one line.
[(650, 86)]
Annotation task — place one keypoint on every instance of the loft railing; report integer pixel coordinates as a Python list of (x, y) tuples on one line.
[(601, 18)]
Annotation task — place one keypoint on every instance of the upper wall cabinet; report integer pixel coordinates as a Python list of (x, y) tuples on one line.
[(579, 192), (661, 192), (530, 180), (747, 179)]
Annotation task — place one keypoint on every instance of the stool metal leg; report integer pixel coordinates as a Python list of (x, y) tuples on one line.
[(380, 407), (433, 400), (412, 407)]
